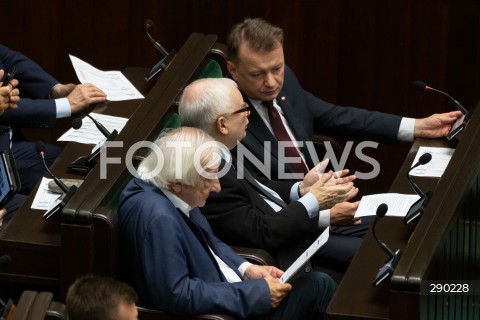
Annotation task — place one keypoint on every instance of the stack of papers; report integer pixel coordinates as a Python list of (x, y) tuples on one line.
[(113, 83)]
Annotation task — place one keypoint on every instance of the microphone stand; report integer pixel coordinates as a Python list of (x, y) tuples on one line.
[(82, 165), (417, 208)]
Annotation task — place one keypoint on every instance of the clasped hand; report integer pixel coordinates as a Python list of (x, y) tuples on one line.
[(278, 290), (329, 188)]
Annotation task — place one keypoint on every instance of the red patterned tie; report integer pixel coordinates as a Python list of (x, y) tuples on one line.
[(282, 135)]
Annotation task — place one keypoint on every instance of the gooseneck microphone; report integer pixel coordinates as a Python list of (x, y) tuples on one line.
[(422, 86), (77, 124), (381, 212), (60, 203), (148, 24), (424, 159), (84, 164), (40, 147), (389, 266), (418, 206), (167, 56)]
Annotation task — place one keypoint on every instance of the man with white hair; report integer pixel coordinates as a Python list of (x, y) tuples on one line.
[(171, 256)]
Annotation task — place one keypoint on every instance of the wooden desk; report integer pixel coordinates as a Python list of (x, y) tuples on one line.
[(442, 246), (33, 243), (356, 296)]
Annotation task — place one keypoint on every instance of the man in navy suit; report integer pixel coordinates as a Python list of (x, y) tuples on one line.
[(257, 64), (278, 216), (171, 256), (43, 100)]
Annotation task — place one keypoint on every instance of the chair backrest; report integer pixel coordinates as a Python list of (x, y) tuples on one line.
[(35, 305)]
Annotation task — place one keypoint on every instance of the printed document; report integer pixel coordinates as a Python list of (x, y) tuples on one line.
[(398, 204), (88, 133), (44, 198), (113, 83), (307, 254), (435, 168)]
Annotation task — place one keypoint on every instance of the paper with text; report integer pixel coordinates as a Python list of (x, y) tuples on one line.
[(88, 133), (113, 83), (435, 168), (307, 254), (44, 198), (398, 204)]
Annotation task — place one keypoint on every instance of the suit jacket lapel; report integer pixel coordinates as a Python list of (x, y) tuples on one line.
[(209, 241)]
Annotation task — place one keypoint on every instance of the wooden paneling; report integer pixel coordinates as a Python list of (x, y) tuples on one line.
[(361, 53)]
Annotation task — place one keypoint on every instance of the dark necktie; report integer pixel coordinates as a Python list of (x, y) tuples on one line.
[(250, 179), (282, 135)]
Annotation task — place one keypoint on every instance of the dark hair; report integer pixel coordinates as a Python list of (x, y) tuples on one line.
[(258, 33), (97, 298)]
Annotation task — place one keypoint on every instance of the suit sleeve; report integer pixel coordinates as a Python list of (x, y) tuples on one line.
[(348, 122), (35, 108), (176, 288), (31, 113), (239, 216)]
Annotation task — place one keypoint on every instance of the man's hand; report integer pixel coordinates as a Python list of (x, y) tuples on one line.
[(435, 126), (329, 195), (9, 95), (338, 177), (3, 212), (256, 272), (80, 97), (278, 290), (272, 275), (343, 214)]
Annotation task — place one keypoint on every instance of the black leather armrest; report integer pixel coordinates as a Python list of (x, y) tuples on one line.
[(256, 256)]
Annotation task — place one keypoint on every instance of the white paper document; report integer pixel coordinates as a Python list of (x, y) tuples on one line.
[(398, 204), (307, 254), (435, 168), (113, 83), (44, 198), (89, 133)]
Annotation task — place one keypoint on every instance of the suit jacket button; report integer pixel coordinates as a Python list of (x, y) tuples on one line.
[(308, 269)]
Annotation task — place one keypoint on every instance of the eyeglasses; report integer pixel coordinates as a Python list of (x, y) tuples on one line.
[(246, 108)]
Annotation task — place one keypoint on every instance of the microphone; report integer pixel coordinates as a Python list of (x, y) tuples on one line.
[(4, 260), (148, 24), (40, 147), (84, 164), (393, 257), (422, 86), (167, 56), (418, 206), (77, 124), (381, 211), (68, 192)]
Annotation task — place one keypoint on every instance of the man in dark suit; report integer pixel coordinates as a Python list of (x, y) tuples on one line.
[(171, 256), (101, 298), (257, 64), (43, 100), (278, 216)]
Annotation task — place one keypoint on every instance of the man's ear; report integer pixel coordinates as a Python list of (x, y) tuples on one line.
[(232, 69), (176, 187), (221, 126)]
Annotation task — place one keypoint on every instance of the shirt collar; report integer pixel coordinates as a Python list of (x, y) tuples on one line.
[(177, 202)]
